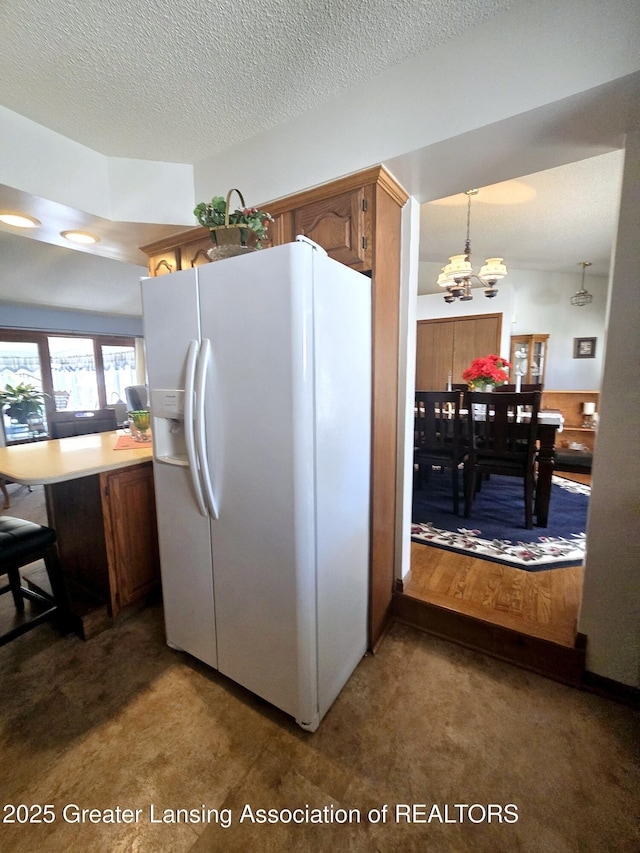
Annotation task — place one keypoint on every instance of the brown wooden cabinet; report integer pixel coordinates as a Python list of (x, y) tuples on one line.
[(194, 254), (357, 219), (570, 404), (338, 224), (164, 263), (446, 347), (528, 358), (107, 541), (129, 510)]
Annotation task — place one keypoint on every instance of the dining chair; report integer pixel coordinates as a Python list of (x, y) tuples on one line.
[(510, 389), (437, 436), (502, 440), (66, 424), (137, 397)]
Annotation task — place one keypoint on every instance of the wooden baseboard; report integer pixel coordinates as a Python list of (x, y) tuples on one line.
[(625, 694), (403, 583), (560, 663)]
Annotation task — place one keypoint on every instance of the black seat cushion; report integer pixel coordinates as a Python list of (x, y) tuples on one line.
[(19, 538), (573, 459)]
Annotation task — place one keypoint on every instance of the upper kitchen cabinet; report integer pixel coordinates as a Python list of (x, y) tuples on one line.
[(357, 220), (340, 225), (164, 261), (194, 254)]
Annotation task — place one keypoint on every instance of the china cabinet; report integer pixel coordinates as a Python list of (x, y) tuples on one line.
[(528, 358)]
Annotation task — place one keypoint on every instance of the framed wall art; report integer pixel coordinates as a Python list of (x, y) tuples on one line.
[(584, 347)]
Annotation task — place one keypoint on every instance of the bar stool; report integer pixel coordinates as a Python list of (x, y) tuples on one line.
[(23, 542)]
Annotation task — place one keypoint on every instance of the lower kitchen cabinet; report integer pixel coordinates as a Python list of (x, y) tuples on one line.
[(107, 541)]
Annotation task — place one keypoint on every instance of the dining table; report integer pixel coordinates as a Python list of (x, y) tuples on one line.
[(550, 422)]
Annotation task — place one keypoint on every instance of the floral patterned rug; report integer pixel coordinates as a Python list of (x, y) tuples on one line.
[(495, 530)]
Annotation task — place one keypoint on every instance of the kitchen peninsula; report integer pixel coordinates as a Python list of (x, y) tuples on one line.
[(100, 501)]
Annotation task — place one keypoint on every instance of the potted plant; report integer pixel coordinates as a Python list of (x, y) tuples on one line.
[(140, 420), (486, 372), (23, 401), (232, 228)]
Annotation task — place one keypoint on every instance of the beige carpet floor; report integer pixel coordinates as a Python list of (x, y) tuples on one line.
[(422, 728)]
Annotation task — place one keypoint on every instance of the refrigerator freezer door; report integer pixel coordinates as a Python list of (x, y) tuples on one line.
[(171, 321)]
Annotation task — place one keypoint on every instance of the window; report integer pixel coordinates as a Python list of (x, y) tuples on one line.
[(74, 372), (74, 375), (119, 365), (20, 367)]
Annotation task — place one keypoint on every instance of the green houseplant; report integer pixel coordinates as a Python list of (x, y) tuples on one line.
[(22, 401), (232, 227)]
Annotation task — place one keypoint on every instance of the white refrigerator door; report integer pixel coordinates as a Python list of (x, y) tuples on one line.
[(288, 434), (257, 312), (342, 345), (171, 322)]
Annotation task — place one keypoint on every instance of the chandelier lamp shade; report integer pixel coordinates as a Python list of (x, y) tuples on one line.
[(457, 275), (582, 296)]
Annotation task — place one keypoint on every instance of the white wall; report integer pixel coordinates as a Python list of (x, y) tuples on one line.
[(39, 275), (542, 305), (407, 376), (610, 614), (46, 164), (535, 302), (543, 57)]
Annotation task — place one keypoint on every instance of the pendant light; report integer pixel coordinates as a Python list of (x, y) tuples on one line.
[(456, 276), (582, 296)]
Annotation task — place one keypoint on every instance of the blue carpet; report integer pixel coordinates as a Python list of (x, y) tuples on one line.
[(495, 529)]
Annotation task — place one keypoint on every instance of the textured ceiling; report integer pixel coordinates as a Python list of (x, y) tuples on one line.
[(102, 72), (549, 221), (156, 80)]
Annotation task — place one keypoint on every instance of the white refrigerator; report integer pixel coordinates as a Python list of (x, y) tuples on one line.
[(259, 371)]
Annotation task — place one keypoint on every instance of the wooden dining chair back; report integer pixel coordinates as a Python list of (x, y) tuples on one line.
[(511, 389), (437, 436), (502, 440)]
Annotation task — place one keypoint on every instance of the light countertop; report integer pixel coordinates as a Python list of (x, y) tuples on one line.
[(44, 462)]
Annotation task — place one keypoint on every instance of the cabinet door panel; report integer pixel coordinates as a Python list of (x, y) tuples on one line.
[(434, 355), (132, 534), (163, 263), (195, 254), (444, 348), (336, 224), (474, 338)]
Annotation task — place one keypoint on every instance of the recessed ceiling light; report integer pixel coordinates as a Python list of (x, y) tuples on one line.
[(19, 220), (80, 237)]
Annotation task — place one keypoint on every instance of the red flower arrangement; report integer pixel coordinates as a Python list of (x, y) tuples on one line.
[(491, 370)]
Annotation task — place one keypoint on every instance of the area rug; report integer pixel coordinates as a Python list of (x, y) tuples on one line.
[(495, 530)]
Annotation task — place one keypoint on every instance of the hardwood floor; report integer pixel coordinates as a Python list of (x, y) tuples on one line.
[(540, 604)]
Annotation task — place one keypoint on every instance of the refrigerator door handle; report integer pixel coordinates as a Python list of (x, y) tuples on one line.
[(201, 445), (189, 433)]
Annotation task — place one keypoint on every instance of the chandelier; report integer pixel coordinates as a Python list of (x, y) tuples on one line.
[(582, 296), (457, 274)]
